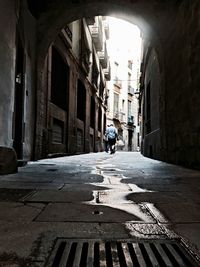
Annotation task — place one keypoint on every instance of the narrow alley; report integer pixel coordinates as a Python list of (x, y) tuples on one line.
[(99, 209)]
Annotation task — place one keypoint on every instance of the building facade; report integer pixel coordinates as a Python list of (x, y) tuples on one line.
[(123, 99), (75, 98), (65, 113)]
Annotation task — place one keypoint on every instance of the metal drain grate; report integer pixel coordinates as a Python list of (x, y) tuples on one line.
[(93, 253)]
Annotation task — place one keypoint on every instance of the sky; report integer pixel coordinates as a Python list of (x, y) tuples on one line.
[(124, 38)]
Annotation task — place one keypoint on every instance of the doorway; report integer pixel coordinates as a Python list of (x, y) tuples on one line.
[(18, 128), (58, 104), (81, 116)]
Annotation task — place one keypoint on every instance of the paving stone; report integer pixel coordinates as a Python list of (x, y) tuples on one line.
[(18, 212), (170, 201), (63, 212), (180, 212), (33, 186), (27, 178), (60, 196), (190, 232), (113, 196), (13, 194), (157, 197), (145, 230), (8, 160), (84, 187)]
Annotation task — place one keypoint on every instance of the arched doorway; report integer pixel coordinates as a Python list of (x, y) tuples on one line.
[(57, 106)]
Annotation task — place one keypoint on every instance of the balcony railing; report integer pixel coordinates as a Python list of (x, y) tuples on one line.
[(97, 37), (68, 32), (122, 117), (116, 115), (90, 20), (107, 72), (130, 90), (66, 35), (117, 82), (130, 120), (103, 57), (106, 29)]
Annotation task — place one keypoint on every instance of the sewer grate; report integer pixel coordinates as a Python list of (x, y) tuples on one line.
[(122, 253)]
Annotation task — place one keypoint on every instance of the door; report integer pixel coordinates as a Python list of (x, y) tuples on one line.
[(18, 127)]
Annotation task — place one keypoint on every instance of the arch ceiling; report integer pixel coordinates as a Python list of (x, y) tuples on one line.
[(53, 15)]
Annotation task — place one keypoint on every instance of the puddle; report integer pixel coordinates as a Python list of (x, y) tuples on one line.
[(137, 189), (113, 196), (118, 201)]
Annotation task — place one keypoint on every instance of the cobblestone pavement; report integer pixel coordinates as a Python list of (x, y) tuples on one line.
[(96, 196)]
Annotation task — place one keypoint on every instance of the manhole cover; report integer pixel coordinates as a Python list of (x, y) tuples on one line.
[(123, 253)]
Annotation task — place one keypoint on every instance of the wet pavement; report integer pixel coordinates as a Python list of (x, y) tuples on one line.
[(96, 196)]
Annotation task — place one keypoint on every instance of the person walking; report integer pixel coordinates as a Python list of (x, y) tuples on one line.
[(106, 140), (111, 133)]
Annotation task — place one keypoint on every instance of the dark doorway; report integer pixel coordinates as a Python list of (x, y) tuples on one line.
[(130, 137), (92, 112), (59, 103), (92, 123), (148, 111), (59, 80), (81, 101), (99, 119), (81, 113), (18, 127)]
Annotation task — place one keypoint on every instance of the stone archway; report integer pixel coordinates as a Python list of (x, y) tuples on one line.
[(168, 30), (149, 16), (55, 17)]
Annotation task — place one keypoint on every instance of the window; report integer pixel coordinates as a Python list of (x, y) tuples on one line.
[(92, 112), (99, 119), (116, 65), (129, 82), (81, 101), (123, 104), (130, 64), (116, 103), (129, 108), (59, 80)]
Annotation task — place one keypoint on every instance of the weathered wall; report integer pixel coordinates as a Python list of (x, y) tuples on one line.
[(182, 53), (151, 142), (12, 18), (29, 35), (173, 30), (50, 23), (7, 68)]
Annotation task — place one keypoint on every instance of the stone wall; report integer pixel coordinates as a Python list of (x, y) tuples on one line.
[(151, 126), (173, 29), (17, 23), (182, 54), (7, 67), (28, 29)]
